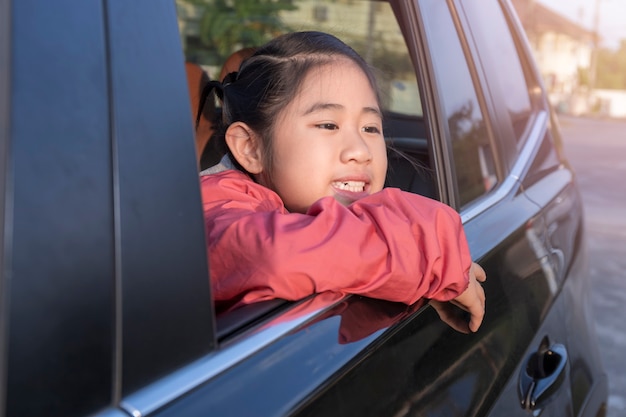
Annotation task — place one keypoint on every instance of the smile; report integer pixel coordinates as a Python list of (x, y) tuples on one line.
[(352, 186)]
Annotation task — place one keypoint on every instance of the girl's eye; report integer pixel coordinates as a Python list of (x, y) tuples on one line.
[(371, 129), (327, 126)]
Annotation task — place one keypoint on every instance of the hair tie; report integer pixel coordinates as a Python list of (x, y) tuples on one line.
[(230, 78)]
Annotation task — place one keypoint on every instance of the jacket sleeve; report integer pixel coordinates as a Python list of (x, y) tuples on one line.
[(390, 245)]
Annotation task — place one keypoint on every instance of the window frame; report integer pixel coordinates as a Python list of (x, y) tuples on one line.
[(5, 218), (517, 155), (512, 144), (164, 319), (56, 224), (510, 157), (433, 109)]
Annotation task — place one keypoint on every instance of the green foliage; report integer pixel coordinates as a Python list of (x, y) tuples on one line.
[(226, 26), (611, 72)]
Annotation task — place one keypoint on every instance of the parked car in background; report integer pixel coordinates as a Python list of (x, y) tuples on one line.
[(105, 299)]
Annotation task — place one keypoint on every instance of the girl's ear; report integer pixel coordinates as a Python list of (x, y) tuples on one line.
[(245, 146)]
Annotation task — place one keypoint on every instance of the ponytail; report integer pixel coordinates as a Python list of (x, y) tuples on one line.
[(206, 91)]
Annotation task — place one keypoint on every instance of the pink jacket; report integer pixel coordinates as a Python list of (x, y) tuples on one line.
[(391, 245)]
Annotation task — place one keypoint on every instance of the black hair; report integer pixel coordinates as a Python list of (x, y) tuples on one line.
[(270, 79)]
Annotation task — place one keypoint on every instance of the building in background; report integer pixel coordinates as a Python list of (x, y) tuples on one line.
[(563, 51)]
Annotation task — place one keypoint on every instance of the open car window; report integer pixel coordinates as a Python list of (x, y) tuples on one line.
[(370, 27)]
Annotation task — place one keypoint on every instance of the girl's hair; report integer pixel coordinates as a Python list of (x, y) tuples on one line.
[(270, 79)]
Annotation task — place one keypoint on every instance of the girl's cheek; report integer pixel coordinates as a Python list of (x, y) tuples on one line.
[(383, 176), (383, 162)]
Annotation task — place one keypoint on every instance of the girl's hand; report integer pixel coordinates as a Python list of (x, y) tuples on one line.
[(472, 300)]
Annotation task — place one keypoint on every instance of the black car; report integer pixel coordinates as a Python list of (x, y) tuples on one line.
[(105, 298)]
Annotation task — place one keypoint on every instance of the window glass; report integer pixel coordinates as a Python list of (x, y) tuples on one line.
[(498, 49), (211, 31), (467, 133)]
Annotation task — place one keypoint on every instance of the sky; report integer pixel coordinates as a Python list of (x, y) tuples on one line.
[(611, 18)]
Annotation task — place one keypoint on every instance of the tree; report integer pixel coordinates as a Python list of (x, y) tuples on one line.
[(612, 68), (226, 26)]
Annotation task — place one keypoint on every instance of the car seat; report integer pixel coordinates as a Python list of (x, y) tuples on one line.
[(203, 114)]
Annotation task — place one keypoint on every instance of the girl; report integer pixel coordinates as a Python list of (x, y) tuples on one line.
[(297, 206)]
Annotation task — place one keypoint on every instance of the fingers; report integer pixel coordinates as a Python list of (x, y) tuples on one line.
[(477, 314), (477, 310), (473, 301), (478, 272)]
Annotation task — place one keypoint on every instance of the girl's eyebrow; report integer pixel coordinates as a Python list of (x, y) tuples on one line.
[(374, 110), (322, 106), (333, 106)]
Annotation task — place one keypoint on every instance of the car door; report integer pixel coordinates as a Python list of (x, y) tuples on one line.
[(536, 157), (517, 106)]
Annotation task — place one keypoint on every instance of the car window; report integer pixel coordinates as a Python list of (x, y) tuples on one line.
[(370, 27), (501, 57), (466, 127)]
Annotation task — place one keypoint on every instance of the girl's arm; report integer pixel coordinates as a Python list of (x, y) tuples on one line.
[(390, 245)]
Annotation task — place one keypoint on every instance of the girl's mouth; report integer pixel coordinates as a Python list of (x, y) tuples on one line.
[(351, 186)]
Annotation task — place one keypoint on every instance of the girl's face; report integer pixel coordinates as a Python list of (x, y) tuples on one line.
[(328, 142)]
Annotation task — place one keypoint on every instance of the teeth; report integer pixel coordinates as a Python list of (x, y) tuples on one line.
[(352, 186)]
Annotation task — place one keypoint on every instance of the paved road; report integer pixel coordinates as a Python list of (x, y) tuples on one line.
[(597, 150)]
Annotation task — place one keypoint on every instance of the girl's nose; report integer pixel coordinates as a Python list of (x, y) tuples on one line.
[(355, 148)]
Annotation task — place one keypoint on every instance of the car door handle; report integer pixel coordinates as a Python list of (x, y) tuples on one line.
[(542, 375)]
